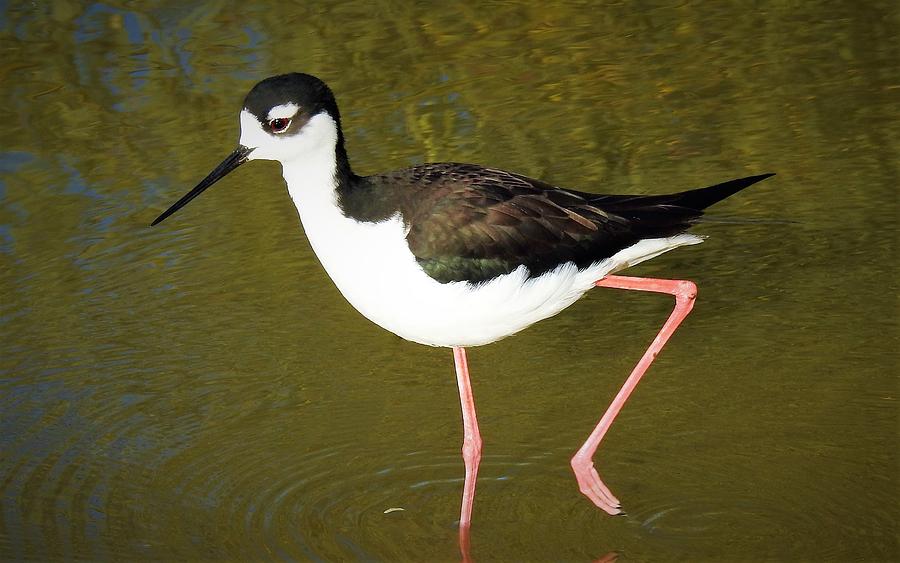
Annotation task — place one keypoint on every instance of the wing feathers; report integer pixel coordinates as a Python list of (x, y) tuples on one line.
[(471, 223)]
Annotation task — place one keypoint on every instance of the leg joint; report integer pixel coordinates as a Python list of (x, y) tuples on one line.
[(685, 290), (471, 447)]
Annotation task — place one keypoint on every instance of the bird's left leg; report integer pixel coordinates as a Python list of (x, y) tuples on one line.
[(684, 291), (471, 449)]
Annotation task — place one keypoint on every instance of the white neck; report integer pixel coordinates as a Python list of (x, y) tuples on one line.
[(310, 173)]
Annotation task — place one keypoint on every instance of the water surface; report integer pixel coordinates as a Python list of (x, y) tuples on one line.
[(200, 390)]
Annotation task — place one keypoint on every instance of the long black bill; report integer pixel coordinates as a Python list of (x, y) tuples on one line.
[(235, 159)]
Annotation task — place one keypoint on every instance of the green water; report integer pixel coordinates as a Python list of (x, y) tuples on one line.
[(201, 391)]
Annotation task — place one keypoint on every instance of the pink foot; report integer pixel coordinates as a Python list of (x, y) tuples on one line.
[(590, 484)]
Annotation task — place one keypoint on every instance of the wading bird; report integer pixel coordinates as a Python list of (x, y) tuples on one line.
[(461, 255)]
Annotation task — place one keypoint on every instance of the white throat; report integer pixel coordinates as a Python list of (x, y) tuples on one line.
[(310, 172)]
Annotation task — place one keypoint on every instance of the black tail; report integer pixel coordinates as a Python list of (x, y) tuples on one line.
[(702, 198), (666, 215), (691, 202)]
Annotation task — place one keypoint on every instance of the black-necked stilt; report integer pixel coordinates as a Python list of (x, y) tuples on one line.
[(461, 255)]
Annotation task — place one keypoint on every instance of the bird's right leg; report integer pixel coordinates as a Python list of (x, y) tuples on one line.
[(684, 291)]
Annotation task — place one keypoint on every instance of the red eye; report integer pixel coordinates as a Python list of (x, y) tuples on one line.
[(279, 125)]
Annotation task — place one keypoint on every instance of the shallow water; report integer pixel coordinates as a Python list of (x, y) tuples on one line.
[(200, 390)]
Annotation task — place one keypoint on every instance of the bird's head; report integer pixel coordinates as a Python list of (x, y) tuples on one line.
[(286, 118)]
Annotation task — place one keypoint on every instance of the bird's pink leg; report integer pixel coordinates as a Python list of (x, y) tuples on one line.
[(684, 292), (471, 449)]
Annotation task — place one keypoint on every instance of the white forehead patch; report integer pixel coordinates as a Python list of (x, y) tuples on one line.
[(318, 133), (284, 111), (252, 133)]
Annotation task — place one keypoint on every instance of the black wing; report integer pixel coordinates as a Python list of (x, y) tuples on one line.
[(467, 222)]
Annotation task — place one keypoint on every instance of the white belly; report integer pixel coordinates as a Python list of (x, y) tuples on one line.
[(373, 268)]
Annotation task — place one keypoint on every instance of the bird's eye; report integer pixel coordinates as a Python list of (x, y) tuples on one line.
[(279, 125)]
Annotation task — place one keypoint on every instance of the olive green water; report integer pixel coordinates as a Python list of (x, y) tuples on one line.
[(201, 391)]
